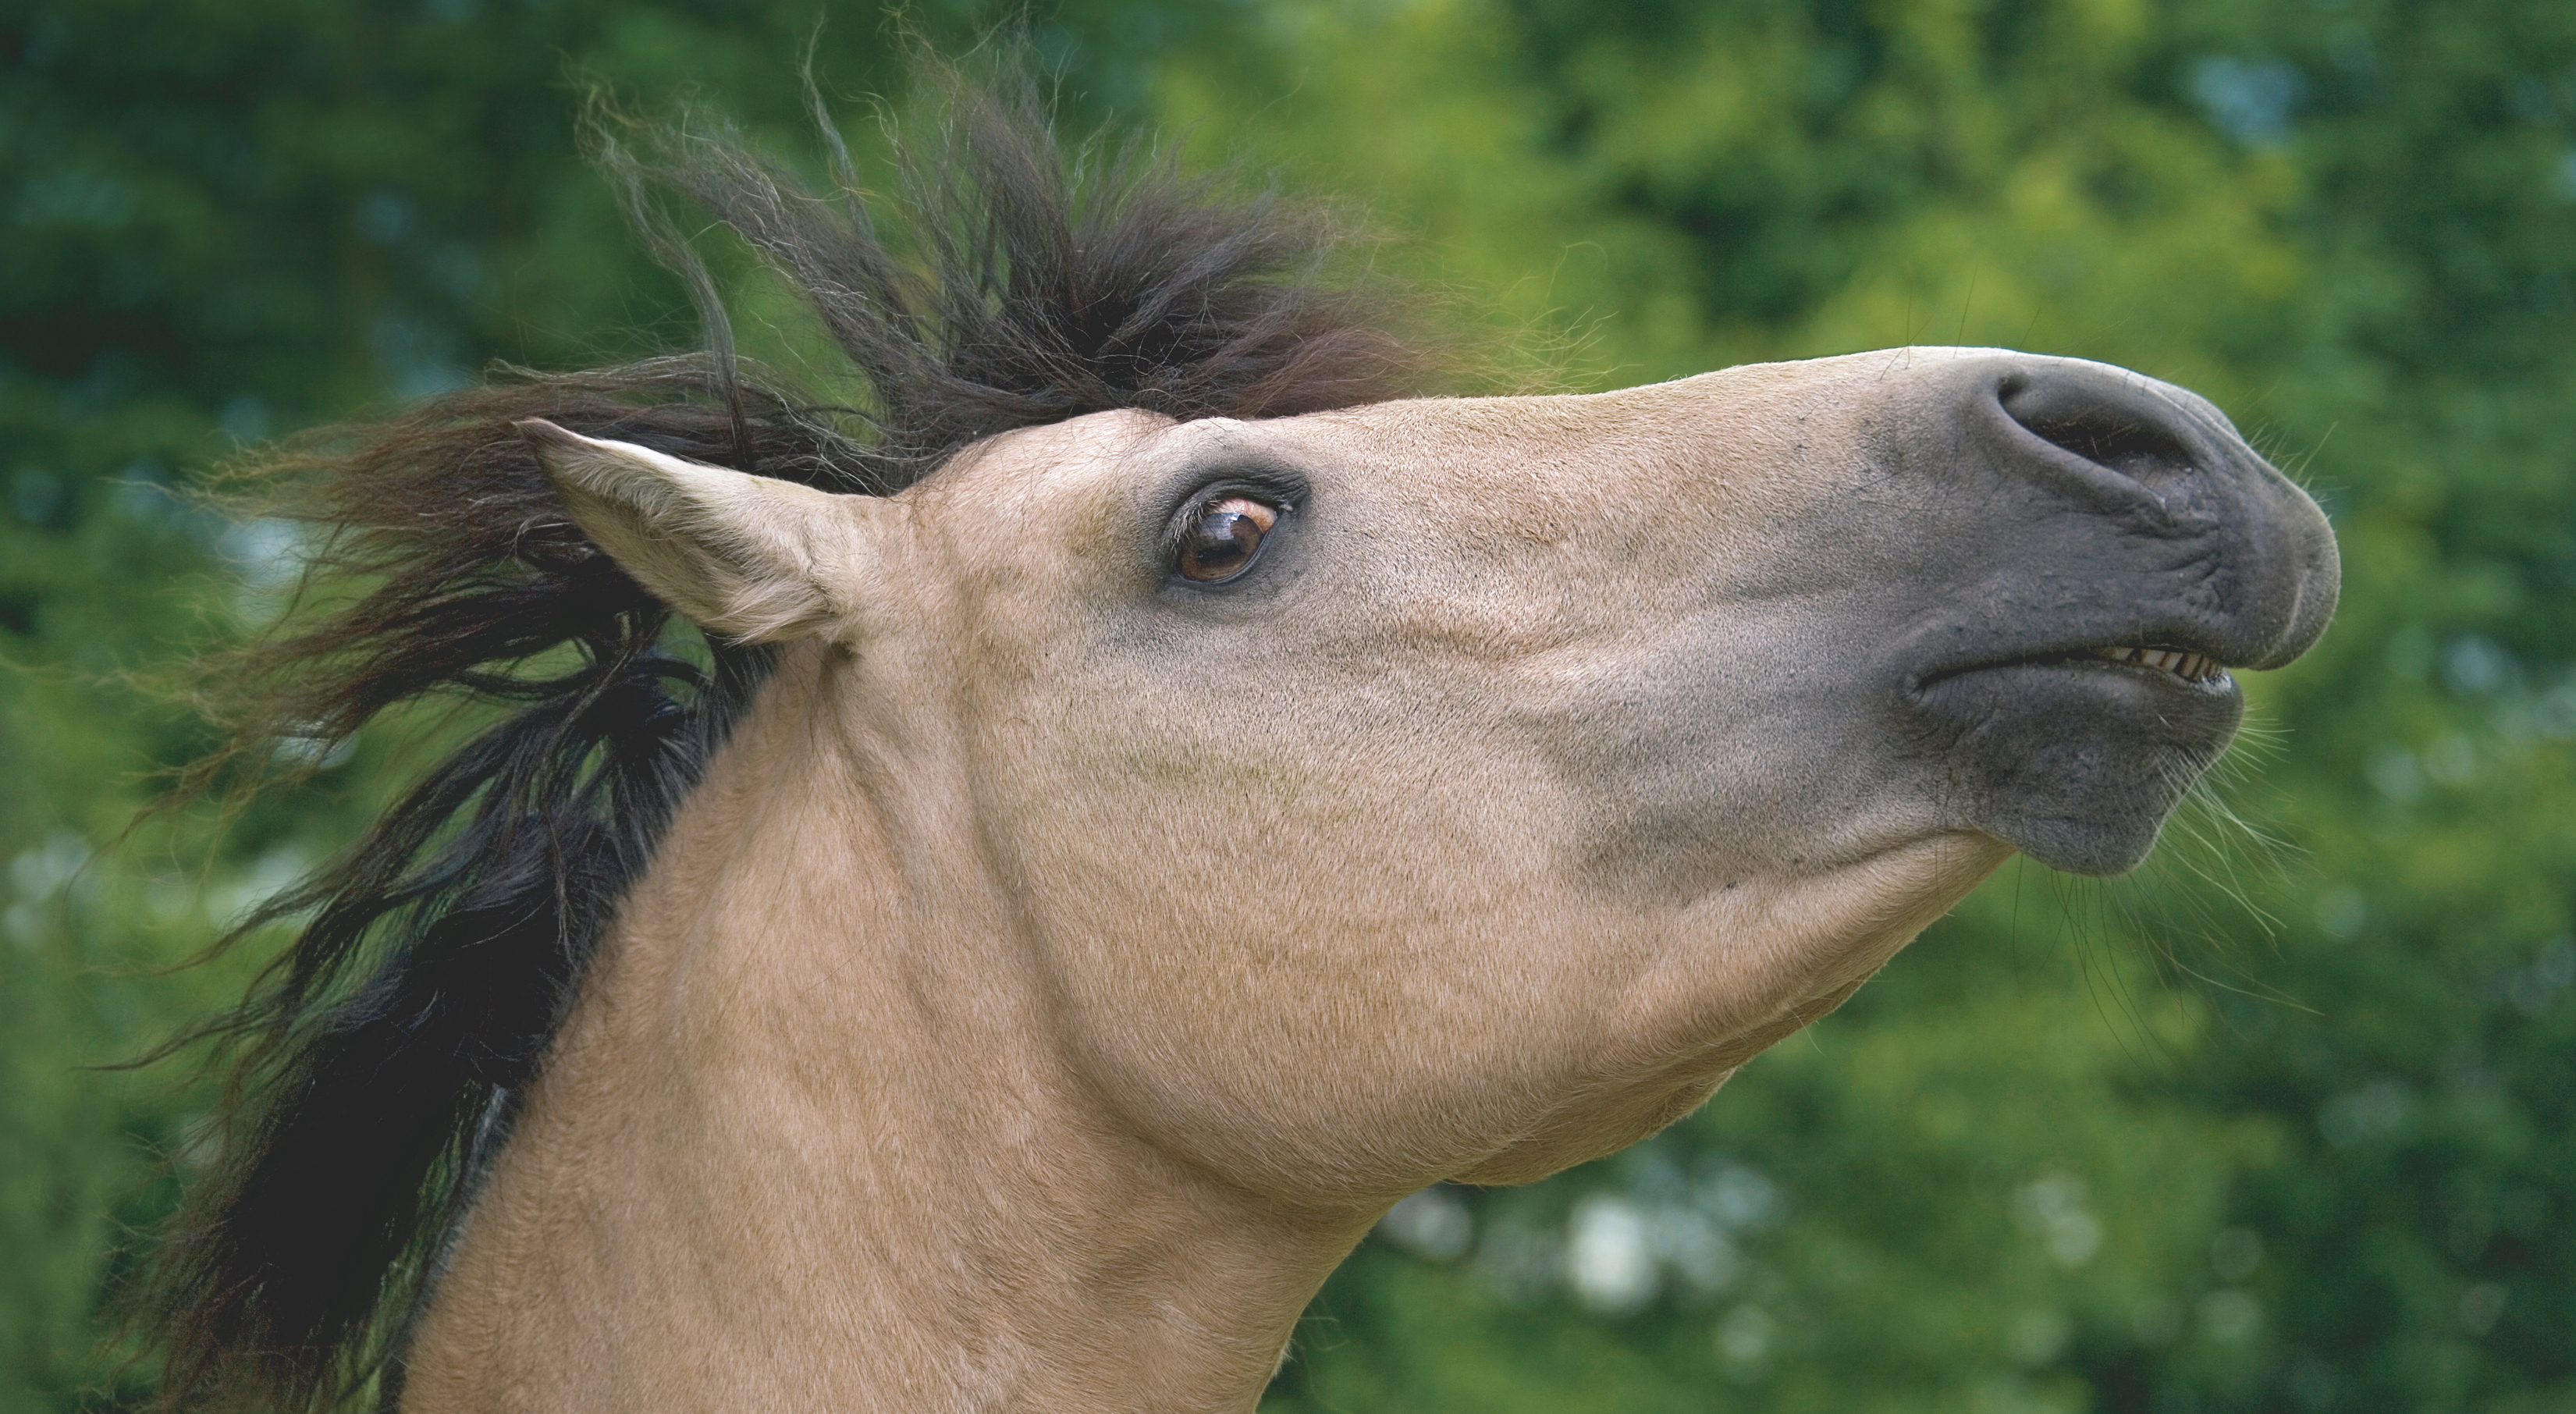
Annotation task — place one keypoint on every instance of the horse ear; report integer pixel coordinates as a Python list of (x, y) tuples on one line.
[(750, 558)]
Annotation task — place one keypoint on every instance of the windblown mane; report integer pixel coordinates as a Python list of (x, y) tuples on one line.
[(378, 1059)]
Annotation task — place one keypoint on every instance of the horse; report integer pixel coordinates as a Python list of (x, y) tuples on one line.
[(979, 896)]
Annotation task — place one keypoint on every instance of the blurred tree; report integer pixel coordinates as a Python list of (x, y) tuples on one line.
[(2274, 1126)]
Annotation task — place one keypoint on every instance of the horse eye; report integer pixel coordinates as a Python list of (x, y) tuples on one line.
[(1223, 537)]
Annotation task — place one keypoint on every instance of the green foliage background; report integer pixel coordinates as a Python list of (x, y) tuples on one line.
[(2272, 1126)]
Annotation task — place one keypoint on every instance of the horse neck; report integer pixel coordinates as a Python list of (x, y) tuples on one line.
[(808, 1139)]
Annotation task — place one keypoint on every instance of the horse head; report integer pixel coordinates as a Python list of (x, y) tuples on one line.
[(1461, 788)]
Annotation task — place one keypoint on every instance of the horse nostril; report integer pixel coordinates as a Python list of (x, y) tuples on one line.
[(2128, 435)]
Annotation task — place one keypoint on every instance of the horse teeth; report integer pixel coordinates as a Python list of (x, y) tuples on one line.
[(2191, 667)]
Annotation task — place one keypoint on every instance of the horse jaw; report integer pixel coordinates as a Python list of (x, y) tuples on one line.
[(1681, 1040)]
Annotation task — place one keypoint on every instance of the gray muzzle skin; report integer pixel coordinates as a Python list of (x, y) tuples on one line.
[(2136, 518)]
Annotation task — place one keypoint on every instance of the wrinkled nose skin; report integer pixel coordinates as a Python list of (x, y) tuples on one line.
[(2072, 507)]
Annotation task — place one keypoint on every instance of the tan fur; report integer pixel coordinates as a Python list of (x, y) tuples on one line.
[(1019, 1019)]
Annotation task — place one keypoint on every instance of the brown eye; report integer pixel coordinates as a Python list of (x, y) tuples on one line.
[(1223, 538)]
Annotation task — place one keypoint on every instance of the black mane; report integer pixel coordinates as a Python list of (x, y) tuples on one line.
[(378, 1058)]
